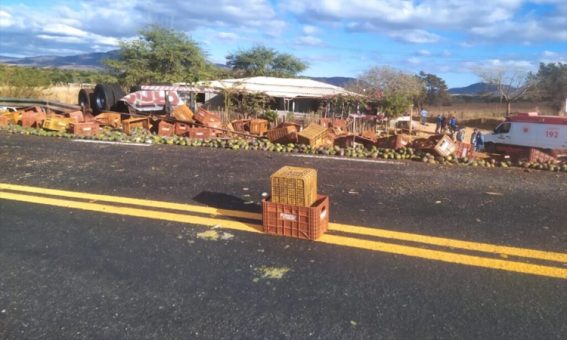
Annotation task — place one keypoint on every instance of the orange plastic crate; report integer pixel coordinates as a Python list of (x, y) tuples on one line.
[(85, 129), (112, 119), (295, 221), (312, 135), (258, 126), (280, 135), (294, 185), (137, 122), (77, 116)]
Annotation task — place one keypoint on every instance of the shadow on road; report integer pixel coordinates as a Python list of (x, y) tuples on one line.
[(224, 201)]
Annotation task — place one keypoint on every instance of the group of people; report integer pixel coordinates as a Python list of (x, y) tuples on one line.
[(442, 124)]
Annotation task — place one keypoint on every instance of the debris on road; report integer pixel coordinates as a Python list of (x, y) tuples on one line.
[(270, 273)]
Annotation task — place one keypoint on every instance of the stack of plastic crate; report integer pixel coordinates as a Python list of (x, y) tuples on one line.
[(295, 208)]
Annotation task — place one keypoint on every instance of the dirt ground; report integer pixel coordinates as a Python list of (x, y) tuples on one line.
[(428, 129)]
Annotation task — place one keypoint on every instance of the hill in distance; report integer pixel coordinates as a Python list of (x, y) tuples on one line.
[(476, 89), (93, 61), (82, 61)]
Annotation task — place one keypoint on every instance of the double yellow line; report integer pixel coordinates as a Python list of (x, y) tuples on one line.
[(521, 260)]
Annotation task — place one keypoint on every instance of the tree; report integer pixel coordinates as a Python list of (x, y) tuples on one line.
[(551, 82), (435, 89), (510, 84), (395, 89), (263, 61), (159, 55), (395, 104)]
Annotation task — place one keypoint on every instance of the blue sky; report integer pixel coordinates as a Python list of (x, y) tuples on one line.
[(454, 39)]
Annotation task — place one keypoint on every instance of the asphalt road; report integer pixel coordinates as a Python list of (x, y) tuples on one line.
[(68, 273)]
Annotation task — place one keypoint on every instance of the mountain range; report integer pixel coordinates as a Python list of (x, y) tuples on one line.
[(93, 61)]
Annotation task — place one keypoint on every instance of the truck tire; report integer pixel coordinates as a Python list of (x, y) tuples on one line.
[(118, 94), (490, 147), (104, 98), (85, 98)]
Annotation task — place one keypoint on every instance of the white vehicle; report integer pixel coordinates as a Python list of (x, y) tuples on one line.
[(530, 130)]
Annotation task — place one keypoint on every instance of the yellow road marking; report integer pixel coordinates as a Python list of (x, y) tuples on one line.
[(477, 261), (351, 229), (447, 257), (145, 213), (451, 243), (133, 201)]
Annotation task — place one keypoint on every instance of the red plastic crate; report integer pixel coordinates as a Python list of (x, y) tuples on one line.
[(77, 116), (463, 149), (199, 133), (535, 155), (32, 119), (165, 129), (307, 223), (182, 129), (85, 129)]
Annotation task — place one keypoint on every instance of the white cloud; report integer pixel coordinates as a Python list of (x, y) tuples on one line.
[(309, 40), (103, 23), (423, 52), (498, 65), (416, 36), (229, 36), (553, 57), (489, 20), (413, 61), (6, 19), (309, 30), (62, 29)]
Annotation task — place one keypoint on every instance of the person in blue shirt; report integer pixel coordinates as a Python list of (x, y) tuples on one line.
[(452, 124), (438, 124)]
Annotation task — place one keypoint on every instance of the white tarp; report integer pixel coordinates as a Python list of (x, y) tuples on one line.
[(278, 87)]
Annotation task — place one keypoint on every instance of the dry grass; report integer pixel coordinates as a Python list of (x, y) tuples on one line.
[(66, 93), (468, 111)]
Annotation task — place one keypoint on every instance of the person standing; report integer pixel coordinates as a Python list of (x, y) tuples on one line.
[(460, 134), (438, 123), (424, 115), (444, 124), (479, 141), (452, 124)]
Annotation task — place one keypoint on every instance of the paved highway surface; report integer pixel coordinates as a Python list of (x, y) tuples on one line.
[(93, 246)]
